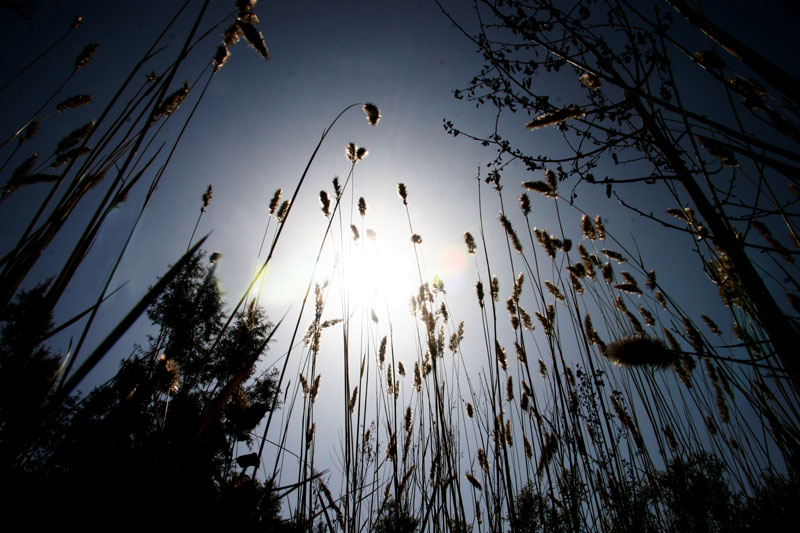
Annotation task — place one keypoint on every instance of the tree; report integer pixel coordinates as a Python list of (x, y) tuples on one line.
[(27, 371), (149, 438), (696, 495), (632, 81)]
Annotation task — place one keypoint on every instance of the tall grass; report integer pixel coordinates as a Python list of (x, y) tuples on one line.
[(573, 393)]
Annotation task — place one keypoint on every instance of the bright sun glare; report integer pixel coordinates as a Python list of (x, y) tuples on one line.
[(374, 276)]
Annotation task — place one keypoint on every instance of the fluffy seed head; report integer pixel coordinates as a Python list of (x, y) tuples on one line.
[(525, 204), (273, 204), (640, 350), (74, 137), (171, 103), (283, 210), (469, 240), (601, 230), (350, 152), (245, 6), (587, 228), (254, 37), (555, 117), (86, 55), (221, 57), (232, 35), (401, 190), (590, 80), (325, 203), (74, 102), (373, 114), (540, 187), (207, 198), (473, 481)]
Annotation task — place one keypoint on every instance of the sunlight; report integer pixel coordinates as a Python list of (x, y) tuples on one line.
[(377, 276)]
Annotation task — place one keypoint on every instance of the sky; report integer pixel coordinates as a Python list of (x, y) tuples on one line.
[(255, 131), (259, 123)]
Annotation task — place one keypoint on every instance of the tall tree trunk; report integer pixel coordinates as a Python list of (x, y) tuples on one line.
[(783, 335)]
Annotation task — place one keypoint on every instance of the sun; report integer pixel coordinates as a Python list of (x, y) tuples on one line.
[(376, 275)]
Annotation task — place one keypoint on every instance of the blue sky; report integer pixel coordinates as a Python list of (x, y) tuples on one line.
[(255, 130)]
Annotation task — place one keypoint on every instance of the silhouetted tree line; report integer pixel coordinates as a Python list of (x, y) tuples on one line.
[(141, 448)]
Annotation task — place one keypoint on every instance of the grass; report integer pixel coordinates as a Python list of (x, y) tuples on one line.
[(575, 393)]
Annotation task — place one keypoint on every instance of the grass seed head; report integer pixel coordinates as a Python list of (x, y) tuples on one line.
[(540, 187), (601, 230), (283, 210), (469, 240), (401, 190), (525, 204), (373, 114), (245, 6), (590, 81), (74, 137), (254, 37), (555, 117), (221, 57), (473, 481), (587, 228), (171, 103), (86, 55), (501, 355), (273, 204), (74, 102), (207, 198), (325, 203), (232, 34), (640, 350), (350, 152)]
